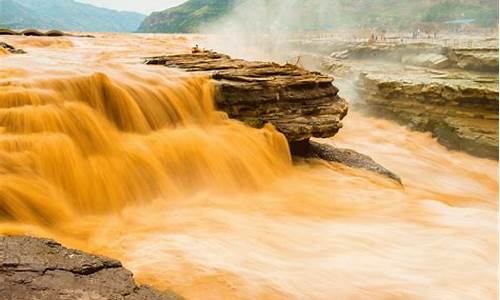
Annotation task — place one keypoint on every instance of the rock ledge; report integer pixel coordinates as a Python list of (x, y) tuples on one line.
[(41, 269), (299, 103)]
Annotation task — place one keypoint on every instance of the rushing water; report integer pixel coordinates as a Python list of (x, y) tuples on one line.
[(133, 162)]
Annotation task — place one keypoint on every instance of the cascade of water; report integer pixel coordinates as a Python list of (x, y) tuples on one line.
[(134, 162)]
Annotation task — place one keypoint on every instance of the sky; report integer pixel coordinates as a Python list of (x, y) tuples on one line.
[(141, 6)]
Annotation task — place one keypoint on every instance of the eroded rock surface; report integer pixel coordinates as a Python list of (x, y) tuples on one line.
[(41, 269), (299, 103), (462, 114), (449, 91)]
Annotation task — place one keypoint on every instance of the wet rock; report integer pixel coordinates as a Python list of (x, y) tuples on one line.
[(11, 49), (299, 103), (437, 87), (463, 115), (32, 32), (33, 268), (54, 33), (348, 157), (6, 31)]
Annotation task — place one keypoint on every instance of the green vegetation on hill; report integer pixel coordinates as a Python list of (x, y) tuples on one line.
[(320, 14), (65, 15), (187, 17)]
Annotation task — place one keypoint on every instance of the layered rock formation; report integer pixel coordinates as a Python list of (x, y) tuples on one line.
[(462, 115), (483, 58), (450, 92), (476, 59), (299, 103), (32, 268)]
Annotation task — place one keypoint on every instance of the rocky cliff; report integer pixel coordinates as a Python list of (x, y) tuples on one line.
[(450, 92), (299, 103), (463, 117), (32, 268)]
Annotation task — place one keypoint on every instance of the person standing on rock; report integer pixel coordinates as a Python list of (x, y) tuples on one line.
[(196, 49)]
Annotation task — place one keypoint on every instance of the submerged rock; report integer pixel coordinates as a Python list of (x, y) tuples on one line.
[(11, 49), (348, 157), (299, 103), (33, 268)]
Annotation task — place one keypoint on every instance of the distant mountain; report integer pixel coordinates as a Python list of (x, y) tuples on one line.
[(66, 15), (187, 17), (194, 15)]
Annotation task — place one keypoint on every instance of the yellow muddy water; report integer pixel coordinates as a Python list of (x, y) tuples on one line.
[(134, 162)]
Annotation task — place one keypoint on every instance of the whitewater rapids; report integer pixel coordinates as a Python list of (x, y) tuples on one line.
[(134, 162)]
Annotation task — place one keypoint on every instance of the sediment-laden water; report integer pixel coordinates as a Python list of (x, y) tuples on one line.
[(134, 162)]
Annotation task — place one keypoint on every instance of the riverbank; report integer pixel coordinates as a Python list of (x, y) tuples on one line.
[(133, 161)]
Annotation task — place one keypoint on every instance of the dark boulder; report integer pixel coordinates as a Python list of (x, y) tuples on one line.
[(348, 157), (11, 49)]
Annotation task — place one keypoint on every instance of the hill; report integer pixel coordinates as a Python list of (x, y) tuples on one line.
[(65, 15), (194, 15), (187, 17)]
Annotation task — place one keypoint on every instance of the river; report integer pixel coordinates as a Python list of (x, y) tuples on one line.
[(117, 158)]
